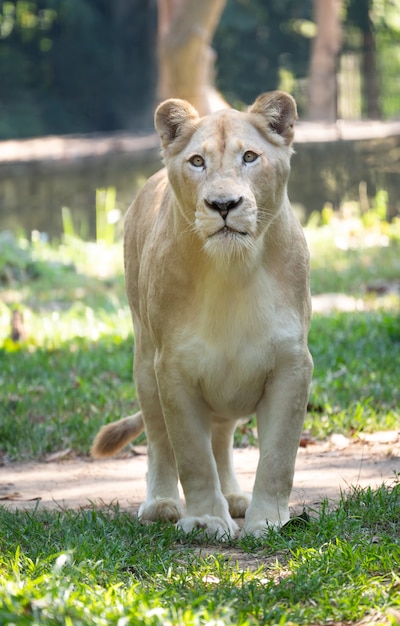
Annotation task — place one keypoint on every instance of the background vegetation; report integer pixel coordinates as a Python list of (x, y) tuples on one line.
[(70, 66)]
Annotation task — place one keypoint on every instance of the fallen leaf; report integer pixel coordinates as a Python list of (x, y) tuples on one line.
[(306, 440), (15, 495), (58, 456)]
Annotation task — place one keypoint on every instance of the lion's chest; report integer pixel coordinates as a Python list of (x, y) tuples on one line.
[(230, 376), (228, 347)]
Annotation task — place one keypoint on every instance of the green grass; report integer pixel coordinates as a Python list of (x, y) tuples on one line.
[(348, 256), (57, 398), (355, 383), (74, 367), (104, 567)]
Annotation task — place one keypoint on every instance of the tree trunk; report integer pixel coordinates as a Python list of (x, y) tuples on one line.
[(370, 84), (322, 104), (358, 11), (185, 58), (135, 62)]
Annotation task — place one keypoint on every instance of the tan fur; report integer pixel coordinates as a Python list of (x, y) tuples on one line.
[(217, 279), (113, 437)]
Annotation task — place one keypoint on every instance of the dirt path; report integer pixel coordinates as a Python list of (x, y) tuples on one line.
[(323, 470)]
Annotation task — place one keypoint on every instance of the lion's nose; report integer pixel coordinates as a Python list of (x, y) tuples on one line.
[(224, 205)]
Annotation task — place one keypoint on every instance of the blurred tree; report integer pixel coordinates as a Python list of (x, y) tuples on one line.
[(91, 65), (134, 24), (359, 15), (385, 16), (76, 66), (262, 46), (322, 103), (185, 58)]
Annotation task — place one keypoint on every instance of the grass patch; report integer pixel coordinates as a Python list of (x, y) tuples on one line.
[(72, 368), (56, 399), (352, 252), (104, 567), (354, 386)]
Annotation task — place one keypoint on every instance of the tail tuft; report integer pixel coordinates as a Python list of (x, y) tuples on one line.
[(111, 438)]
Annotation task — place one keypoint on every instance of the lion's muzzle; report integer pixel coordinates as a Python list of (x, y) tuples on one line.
[(224, 205)]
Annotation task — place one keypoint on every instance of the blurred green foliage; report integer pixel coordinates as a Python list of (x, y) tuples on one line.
[(258, 41), (76, 66), (72, 66), (267, 45)]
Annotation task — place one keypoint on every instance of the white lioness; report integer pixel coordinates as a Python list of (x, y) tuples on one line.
[(217, 278)]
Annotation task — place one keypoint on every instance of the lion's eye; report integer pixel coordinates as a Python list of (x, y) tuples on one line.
[(250, 156), (197, 160)]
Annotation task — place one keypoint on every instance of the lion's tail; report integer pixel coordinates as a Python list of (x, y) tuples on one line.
[(113, 437)]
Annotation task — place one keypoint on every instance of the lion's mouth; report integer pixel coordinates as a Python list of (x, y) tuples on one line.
[(227, 231)]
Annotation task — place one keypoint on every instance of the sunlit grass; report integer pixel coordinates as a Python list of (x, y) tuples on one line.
[(353, 254), (72, 368), (72, 290), (104, 567), (354, 387)]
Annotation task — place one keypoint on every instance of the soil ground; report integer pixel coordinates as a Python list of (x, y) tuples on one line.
[(323, 470)]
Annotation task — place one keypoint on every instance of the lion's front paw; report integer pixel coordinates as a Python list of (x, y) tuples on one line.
[(238, 504), (213, 527), (165, 509), (264, 515), (258, 529)]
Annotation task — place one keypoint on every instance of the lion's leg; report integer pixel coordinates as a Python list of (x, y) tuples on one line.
[(222, 444), (280, 417), (189, 427), (162, 499)]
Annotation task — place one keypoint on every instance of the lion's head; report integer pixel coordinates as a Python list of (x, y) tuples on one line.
[(229, 170)]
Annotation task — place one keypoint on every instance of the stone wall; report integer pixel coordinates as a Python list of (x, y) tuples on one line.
[(38, 177), (332, 160)]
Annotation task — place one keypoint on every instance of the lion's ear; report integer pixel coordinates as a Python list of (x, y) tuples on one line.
[(279, 111), (172, 118)]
